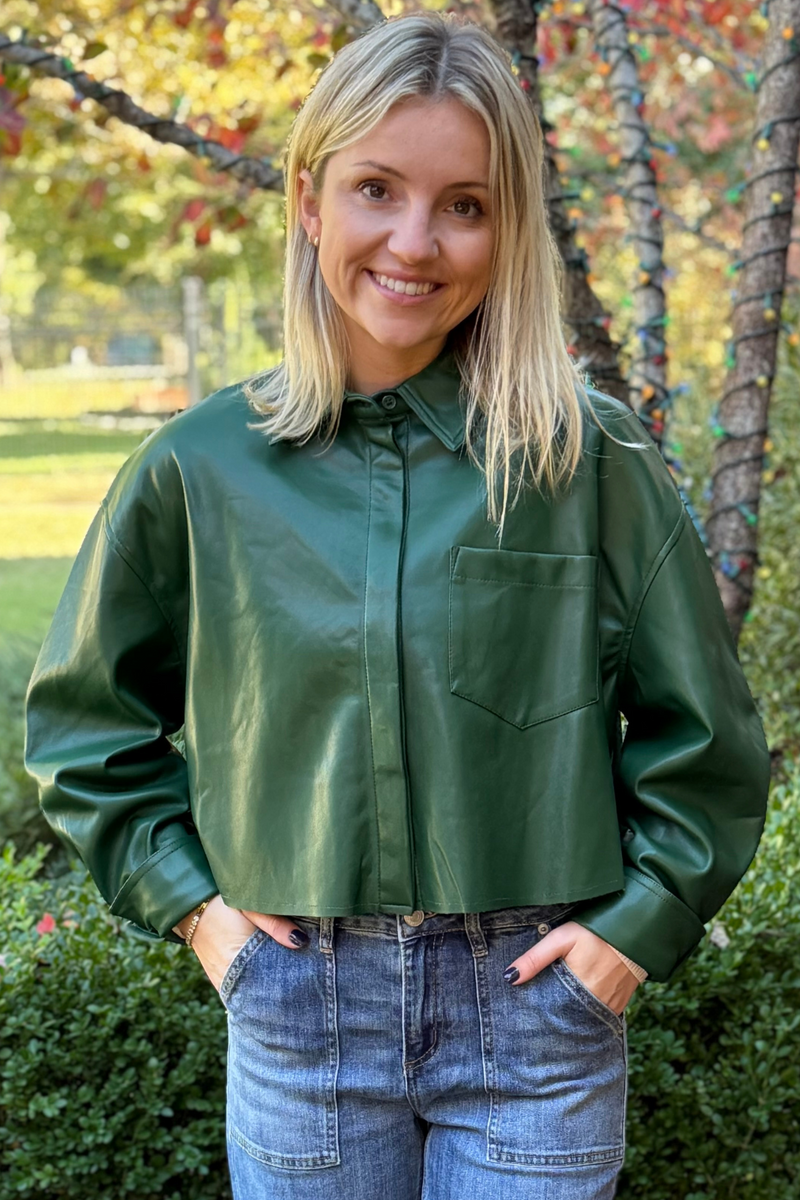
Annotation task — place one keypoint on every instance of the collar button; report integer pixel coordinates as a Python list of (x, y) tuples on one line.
[(389, 401)]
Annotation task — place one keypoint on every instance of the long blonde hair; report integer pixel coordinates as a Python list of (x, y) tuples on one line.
[(511, 354)]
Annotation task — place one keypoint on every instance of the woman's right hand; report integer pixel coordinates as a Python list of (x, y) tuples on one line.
[(222, 931)]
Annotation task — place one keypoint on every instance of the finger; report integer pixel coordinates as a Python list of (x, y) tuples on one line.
[(554, 945), (282, 929)]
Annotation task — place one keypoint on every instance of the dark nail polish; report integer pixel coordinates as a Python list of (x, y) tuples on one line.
[(299, 937), (511, 974)]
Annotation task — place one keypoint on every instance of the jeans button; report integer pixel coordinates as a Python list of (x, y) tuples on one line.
[(415, 918), (543, 929)]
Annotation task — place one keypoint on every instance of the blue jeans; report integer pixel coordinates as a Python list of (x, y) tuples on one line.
[(391, 1061)]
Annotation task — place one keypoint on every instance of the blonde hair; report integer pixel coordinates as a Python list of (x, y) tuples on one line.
[(511, 354)]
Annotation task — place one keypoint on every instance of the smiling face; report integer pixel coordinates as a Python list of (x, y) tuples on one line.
[(408, 202)]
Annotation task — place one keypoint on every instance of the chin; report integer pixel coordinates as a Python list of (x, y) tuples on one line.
[(395, 339)]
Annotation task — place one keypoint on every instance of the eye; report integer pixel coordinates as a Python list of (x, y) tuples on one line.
[(468, 200), (474, 203), (370, 184)]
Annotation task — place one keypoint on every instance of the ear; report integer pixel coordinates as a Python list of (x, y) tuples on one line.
[(307, 203)]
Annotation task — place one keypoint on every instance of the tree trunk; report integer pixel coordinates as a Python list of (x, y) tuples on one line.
[(648, 376), (515, 30), (742, 421)]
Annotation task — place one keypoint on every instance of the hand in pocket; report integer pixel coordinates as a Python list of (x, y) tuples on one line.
[(222, 931), (598, 967)]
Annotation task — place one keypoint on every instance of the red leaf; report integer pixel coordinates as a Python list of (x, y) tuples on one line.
[(47, 924), (184, 17), (203, 234), (193, 210), (231, 139), (248, 124), (96, 192)]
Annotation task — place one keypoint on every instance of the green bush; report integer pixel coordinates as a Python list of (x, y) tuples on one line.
[(20, 816), (112, 1051), (112, 1048), (714, 1097)]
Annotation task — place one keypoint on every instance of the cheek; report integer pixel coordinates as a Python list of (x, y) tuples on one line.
[(477, 261)]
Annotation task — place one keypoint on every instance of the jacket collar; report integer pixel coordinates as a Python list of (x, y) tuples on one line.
[(433, 394)]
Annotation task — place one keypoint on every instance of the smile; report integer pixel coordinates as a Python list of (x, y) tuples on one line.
[(390, 289)]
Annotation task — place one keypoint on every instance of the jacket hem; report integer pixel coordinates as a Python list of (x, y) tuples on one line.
[(303, 908)]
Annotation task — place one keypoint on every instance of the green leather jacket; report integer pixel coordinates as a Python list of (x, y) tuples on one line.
[(384, 709)]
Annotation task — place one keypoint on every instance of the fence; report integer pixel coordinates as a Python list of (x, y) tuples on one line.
[(167, 346)]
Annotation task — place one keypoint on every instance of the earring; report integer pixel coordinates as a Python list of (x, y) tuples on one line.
[(316, 241)]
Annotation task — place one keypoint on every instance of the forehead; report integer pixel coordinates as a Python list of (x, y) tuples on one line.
[(424, 136)]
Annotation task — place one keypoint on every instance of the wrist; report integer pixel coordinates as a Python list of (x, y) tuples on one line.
[(188, 924), (638, 972)]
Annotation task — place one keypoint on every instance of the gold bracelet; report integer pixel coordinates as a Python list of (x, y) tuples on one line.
[(198, 912)]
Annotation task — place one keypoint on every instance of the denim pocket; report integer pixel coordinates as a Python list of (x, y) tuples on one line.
[(523, 633), (577, 988), (556, 1069), (283, 1054), (236, 965)]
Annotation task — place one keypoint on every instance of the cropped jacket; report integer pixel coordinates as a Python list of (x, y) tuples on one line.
[(384, 708)]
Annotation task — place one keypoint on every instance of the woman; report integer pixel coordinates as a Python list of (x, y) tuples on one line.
[(400, 616)]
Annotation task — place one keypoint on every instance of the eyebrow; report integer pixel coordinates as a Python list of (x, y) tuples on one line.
[(391, 171)]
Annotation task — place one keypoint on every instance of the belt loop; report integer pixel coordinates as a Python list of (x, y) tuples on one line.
[(477, 940), (326, 934)]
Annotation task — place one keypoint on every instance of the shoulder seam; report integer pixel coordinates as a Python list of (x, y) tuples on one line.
[(633, 616)]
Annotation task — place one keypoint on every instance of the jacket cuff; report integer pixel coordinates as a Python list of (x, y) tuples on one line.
[(167, 885), (646, 923)]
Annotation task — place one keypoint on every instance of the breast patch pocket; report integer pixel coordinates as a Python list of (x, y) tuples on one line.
[(523, 632)]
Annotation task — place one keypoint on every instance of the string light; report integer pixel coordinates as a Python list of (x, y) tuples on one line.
[(655, 402)]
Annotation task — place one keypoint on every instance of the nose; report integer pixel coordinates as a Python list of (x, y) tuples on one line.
[(413, 238)]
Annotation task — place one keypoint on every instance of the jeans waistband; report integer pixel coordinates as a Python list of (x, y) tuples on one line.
[(422, 924)]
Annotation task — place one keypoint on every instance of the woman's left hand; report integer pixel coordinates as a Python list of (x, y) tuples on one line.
[(590, 958)]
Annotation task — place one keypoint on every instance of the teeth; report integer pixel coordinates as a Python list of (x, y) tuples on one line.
[(403, 288)]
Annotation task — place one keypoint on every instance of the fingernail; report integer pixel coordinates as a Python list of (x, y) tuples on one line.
[(511, 974), (299, 937)]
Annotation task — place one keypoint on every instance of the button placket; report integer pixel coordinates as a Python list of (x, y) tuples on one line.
[(382, 663)]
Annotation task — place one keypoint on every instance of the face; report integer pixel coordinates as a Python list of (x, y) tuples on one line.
[(409, 201)]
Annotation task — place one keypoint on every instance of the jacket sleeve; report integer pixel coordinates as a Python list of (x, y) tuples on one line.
[(692, 775), (107, 689)]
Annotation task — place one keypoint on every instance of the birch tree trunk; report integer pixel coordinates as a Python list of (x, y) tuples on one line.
[(515, 30), (647, 382), (742, 427)]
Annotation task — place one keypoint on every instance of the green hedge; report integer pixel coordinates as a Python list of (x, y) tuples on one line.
[(112, 1052), (714, 1101), (112, 1049)]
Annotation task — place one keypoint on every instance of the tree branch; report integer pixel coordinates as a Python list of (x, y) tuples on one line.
[(358, 14), (256, 171)]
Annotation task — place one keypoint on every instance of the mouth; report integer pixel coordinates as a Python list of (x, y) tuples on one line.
[(402, 297)]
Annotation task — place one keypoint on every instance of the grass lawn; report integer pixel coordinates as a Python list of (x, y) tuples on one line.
[(29, 592), (54, 471)]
